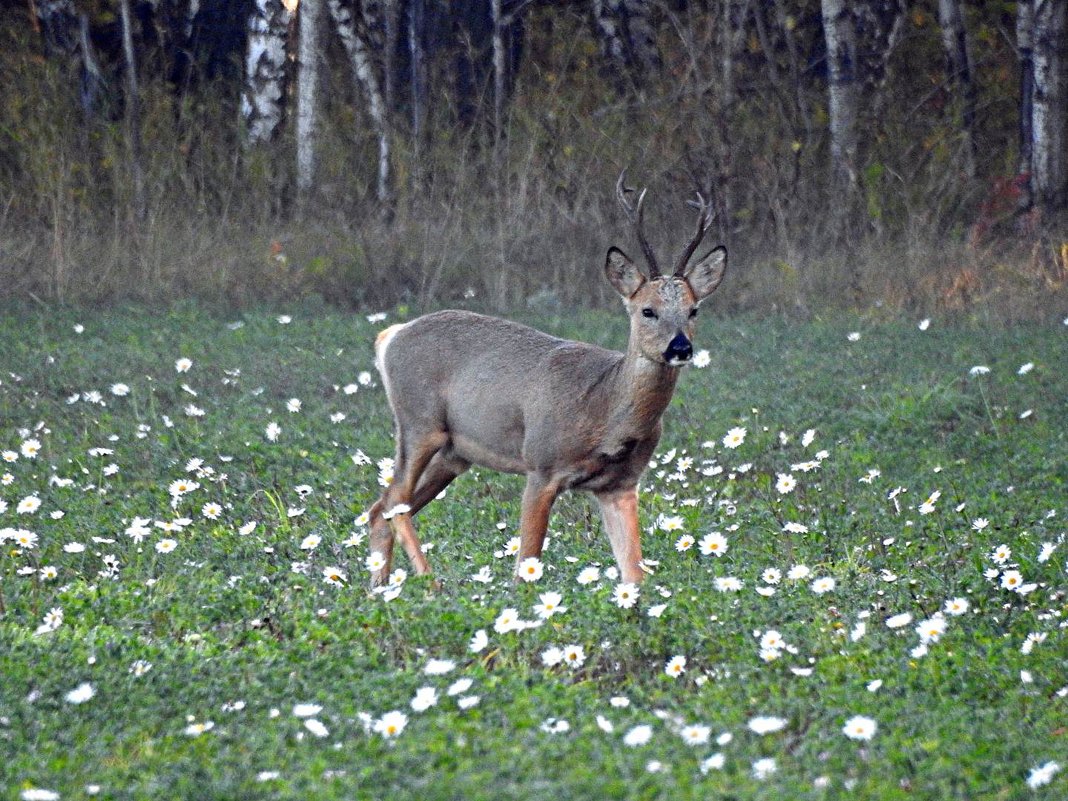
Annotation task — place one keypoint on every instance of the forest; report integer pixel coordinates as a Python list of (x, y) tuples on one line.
[(874, 154)]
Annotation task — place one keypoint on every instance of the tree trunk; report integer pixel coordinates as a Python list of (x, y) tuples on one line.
[(735, 13), (627, 36), (1050, 178), (840, 35), (417, 53), (959, 69), (393, 13), (1025, 35), (58, 23), (307, 94), (133, 113), (365, 75), (265, 70)]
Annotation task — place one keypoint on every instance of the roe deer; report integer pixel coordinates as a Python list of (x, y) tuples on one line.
[(469, 389)]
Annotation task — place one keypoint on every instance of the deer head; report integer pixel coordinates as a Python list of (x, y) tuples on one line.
[(663, 308)]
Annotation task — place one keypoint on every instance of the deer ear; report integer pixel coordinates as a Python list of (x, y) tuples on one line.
[(705, 274), (622, 273)]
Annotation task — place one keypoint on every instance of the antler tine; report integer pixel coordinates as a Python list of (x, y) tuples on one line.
[(635, 215), (705, 214)]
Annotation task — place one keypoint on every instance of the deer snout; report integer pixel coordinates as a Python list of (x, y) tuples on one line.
[(679, 350)]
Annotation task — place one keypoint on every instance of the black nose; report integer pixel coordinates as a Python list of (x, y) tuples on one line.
[(679, 349)]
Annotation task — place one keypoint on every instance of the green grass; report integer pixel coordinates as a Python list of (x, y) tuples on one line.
[(232, 632)]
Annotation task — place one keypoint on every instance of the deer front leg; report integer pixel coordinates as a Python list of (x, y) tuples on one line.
[(620, 512), (538, 497)]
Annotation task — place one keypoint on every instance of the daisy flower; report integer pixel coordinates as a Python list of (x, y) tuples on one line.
[(897, 621), (530, 569), (588, 575), (714, 762), (1001, 554), (391, 724), (728, 584), (1042, 774), (673, 523), (766, 724), (639, 735), (574, 656), (734, 438), (932, 629), (439, 667), (625, 595), (549, 605), (763, 768), (822, 585), (695, 735), (798, 573), (859, 727), (552, 656), (506, 621), (684, 543), (713, 544), (80, 694), (425, 697), (956, 606), (785, 483), (1011, 580), (334, 576), (675, 666)]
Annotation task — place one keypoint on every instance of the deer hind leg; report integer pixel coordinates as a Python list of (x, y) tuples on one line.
[(389, 519), (538, 497), (620, 512)]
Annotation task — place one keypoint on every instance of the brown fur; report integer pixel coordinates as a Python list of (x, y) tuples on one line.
[(469, 389)]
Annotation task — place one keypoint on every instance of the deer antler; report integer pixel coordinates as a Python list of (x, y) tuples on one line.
[(634, 216), (705, 215)]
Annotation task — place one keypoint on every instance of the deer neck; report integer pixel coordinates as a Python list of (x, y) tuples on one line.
[(643, 389)]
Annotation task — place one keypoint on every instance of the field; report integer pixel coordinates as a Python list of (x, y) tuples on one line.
[(862, 595)]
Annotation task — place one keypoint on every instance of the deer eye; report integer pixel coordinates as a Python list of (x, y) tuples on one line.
[(649, 313)]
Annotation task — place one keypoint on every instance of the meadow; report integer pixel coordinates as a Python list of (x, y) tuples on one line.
[(856, 526)]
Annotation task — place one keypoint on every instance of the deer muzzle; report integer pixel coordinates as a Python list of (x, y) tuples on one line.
[(679, 350)]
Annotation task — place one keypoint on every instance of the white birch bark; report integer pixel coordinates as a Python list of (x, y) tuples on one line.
[(265, 61), (307, 93), (1025, 34), (627, 37), (840, 35), (1050, 178), (363, 71)]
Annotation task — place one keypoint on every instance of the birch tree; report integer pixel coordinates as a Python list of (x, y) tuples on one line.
[(265, 69), (627, 37), (840, 36), (959, 70), (57, 21), (307, 93), (1050, 104), (363, 70), (133, 112)]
